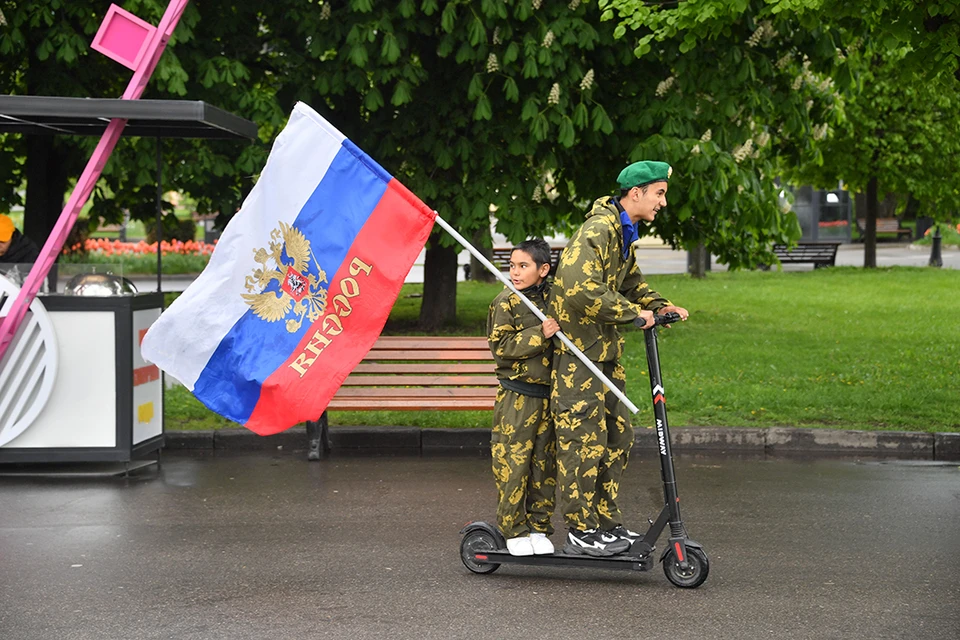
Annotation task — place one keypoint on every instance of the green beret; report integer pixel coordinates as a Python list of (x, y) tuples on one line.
[(644, 172)]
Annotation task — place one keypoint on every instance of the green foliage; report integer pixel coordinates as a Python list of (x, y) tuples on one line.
[(901, 131), (173, 229), (741, 91), (44, 50), (530, 107)]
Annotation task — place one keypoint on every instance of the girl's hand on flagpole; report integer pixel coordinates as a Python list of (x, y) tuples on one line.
[(550, 328)]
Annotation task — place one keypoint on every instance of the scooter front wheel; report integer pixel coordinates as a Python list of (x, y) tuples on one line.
[(474, 542), (695, 573)]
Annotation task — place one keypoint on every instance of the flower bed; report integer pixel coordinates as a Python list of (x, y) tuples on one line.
[(950, 235), (141, 257)]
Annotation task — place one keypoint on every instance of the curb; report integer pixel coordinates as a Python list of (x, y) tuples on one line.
[(777, 441)]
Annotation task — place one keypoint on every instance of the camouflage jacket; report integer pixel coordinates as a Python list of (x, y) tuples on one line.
[(596, 288), (516, 338)]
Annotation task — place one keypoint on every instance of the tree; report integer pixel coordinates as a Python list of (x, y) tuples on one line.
[(900, 134), (44, 50), (744, 92), (927, 33), (474, 104)]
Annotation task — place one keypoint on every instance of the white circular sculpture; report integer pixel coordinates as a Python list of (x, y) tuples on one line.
[(28, 368)]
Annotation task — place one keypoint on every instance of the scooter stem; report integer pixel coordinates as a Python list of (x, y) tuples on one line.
[(671, 500)]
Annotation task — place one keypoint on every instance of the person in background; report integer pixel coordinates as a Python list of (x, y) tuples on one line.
[(15, 247)]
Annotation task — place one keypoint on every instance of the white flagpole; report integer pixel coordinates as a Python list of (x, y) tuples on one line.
[(564, 339)]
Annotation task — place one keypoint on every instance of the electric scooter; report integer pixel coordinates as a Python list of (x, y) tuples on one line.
[(483, 548)]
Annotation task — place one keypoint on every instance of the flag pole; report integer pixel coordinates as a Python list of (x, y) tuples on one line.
[(564, 339)]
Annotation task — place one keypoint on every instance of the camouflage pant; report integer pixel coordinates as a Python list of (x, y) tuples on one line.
[(594, 437), (524, 452)]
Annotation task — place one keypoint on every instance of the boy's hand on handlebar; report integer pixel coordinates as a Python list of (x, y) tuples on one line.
[(645, 320), (550, 327), (683, 313)]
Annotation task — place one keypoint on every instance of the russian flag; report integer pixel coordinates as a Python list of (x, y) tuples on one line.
[(300, 284)]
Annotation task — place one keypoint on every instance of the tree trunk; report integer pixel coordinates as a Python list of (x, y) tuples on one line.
[(870, 224), (46, 173), (439, 306), (698, 261)]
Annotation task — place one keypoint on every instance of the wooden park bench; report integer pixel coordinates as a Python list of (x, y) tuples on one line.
[(415, 373), (820, 254), (884, 225)]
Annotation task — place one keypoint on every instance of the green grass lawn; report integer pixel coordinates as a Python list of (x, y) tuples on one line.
[(842, 348)]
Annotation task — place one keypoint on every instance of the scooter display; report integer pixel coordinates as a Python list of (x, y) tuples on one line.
[(483, 548)]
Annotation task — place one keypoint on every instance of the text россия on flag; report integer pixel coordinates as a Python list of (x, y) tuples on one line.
[(300, 284)]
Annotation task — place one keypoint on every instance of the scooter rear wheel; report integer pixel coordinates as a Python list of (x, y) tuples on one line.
[(693, 576), (478, 541)]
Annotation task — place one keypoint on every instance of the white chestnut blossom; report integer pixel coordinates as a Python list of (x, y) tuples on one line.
[(664, 86), (587, 83), (741, 152), (554, 97)]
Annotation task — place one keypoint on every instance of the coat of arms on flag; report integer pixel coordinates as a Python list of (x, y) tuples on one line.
[(284, 281)]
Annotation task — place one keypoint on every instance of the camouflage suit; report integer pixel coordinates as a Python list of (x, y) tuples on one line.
[(523, 444), (595, 289)]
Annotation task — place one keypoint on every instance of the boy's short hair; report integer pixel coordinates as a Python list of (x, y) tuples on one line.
[(538, 249), (624, 192)]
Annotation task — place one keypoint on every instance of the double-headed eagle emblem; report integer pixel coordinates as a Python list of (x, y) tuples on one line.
[(286, 260)]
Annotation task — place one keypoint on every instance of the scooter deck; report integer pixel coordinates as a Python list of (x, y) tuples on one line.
[(622, 562)]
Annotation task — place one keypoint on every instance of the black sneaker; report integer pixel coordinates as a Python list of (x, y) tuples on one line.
[(623, 533), (594, 542)]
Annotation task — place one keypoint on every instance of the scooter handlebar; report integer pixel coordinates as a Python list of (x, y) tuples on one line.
[(660, 319)]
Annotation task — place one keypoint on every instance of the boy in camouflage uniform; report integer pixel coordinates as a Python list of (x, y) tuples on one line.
[(523, 444), (598, 286)]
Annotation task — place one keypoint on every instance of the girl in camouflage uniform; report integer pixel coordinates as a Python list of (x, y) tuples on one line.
[(523, 444)]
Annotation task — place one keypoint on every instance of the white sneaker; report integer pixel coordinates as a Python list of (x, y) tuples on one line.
[(541, 543), (520, 546)]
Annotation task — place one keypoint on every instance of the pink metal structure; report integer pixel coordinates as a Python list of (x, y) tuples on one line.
[(137, 45)]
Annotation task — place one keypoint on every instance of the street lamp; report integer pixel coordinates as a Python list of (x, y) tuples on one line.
[(936, 259)]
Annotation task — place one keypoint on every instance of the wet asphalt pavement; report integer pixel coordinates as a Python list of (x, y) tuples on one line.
[(259, 546)]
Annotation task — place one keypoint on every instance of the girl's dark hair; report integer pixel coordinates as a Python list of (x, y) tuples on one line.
[(538, 249)]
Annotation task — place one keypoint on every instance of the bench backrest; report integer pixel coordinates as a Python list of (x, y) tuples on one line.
[(884, 225), (416, 373), (807, 250)]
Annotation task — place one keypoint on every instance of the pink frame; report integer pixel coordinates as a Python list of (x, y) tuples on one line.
[(123, 37)]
